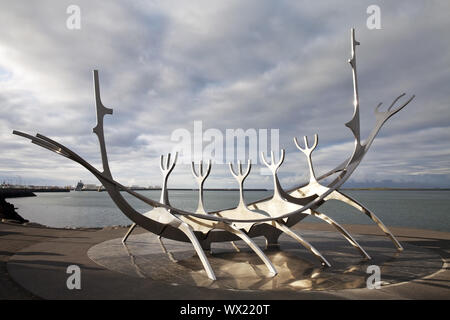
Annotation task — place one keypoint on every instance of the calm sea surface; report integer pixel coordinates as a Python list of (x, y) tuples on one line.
[(415, 209)]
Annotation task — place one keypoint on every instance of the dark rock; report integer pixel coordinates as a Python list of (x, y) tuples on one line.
[(15, 193), (8, 212)]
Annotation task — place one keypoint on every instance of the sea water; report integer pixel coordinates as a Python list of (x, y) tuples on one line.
[(405, 208)]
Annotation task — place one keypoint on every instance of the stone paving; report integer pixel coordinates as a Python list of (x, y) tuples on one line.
[(34, 261)]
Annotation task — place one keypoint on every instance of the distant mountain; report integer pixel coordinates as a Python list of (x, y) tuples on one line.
[(425, 183)]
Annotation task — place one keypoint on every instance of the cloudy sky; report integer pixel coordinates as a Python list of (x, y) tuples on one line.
[(230, 64)]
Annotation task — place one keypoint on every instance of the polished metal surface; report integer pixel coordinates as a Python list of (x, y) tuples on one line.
[(269, 217), (201, 177), (297, 271)]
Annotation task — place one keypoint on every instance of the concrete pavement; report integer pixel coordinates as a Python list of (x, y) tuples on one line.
[(33, 263)]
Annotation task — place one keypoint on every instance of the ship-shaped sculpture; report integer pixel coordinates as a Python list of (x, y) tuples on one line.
[(268, 217)]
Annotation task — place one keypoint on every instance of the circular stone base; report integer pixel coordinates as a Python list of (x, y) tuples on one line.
[(143, 256)]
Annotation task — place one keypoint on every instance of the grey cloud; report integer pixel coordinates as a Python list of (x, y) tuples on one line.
[(234, 64)]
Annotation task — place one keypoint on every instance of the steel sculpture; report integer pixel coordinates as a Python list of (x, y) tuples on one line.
[(268, 217)]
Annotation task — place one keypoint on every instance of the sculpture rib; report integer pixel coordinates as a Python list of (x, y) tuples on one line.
[(242, 209), (342, 230), (348, 200), (199, 226), (281, 204)]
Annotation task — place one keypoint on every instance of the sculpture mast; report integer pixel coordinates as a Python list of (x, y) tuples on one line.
[(98, 129), (353, 124)]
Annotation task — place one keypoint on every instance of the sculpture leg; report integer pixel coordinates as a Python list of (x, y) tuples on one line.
[(305, 243), (336, 195), (128, 232), (164, 249), (133, 262), (272, 236), (235, 246), (341, 229), (255, 248), (198, 248)]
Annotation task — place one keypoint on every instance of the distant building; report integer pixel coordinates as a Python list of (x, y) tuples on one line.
[(86, 187), (79, 186), (90, 187)]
